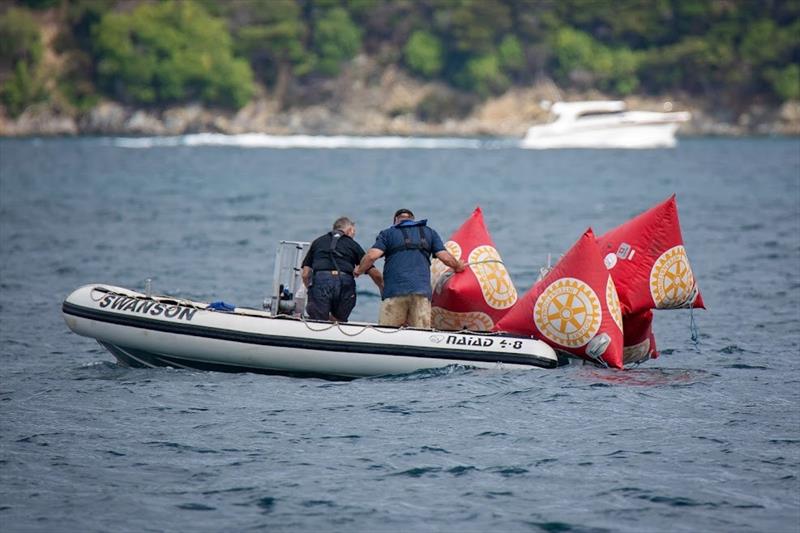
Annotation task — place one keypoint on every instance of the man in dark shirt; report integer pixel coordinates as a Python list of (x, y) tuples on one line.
[(407, 247), (328, 273)]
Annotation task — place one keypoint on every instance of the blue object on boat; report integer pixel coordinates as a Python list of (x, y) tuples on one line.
[(220, 306)]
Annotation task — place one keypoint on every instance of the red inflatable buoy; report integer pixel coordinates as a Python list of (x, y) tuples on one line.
[(481, 295), (648, 262), (574, 308)]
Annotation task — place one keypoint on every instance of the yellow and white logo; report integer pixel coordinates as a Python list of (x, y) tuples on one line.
[(496, 285), (612, 301), (671, 280), (568, 312), (438, 269), (452, 321)]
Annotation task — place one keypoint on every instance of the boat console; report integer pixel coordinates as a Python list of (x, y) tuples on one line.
[(288, 296)]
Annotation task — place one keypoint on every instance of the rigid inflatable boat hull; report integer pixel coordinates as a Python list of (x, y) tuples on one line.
[(162, 331)]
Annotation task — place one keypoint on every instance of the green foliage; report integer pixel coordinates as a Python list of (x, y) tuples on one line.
[(573, 50), (424, 54), (21, 53), (22, 90), (475, 25), (40, 4), (577, 56), (682, 64), (336, 39), (482, 75), (81, 17), (155, 52), (75, 81), (510, 54), (759, 44), (785, 82), (273, 38), (625, 23), (20, 39), (169, 52)]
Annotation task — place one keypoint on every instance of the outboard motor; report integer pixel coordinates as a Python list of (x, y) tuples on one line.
[(288, 296)]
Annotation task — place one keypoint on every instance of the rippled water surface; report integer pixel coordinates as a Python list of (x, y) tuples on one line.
[(706, 438)]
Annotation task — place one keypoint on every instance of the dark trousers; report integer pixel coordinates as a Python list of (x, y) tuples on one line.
[(329, 294)]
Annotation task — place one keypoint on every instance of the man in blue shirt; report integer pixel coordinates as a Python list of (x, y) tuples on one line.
[(407, 247)]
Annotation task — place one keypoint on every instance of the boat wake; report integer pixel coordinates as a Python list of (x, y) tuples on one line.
[(260, 140)]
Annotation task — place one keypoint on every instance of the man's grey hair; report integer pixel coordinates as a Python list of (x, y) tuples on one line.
[(342, 223)]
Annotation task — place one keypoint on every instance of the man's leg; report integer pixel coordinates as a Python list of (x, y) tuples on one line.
[(319, 297), (344, 299), (394, 311), (419, 312)]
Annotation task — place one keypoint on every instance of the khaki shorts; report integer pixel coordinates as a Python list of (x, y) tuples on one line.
[(413, 310)]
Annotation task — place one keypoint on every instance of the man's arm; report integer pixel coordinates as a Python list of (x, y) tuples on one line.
[(372, 255), (445, 257), (306, 275), (377, 277)]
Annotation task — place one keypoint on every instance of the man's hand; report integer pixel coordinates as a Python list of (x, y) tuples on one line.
[(456, 264), (372, 255)]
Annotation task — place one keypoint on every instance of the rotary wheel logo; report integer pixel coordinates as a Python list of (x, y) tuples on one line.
[(568, 312), (496, 286), (612, 301), (452, 321), (438, 268), (671, 279)]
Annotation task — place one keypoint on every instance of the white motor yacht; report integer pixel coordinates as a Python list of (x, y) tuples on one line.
[(605, 124)]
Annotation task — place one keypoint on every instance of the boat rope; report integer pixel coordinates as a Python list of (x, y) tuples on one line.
[(325, 326), (484, 261), (695, 332), (338, 325), (598, 361), (449, 273), (102, 292)]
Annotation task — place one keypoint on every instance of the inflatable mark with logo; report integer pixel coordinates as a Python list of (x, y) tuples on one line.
[(574, 308), (481, 295), (648, 262)]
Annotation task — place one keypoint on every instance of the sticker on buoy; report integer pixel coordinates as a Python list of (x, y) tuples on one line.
[(671, 280), (568, 312), (496, 286)]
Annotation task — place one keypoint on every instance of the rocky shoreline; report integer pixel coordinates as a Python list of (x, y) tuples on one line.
[(364, 102)]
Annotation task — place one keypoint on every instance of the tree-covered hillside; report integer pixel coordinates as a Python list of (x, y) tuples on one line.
[(156, 53)]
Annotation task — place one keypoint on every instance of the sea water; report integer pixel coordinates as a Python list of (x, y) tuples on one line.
[(705, 438)]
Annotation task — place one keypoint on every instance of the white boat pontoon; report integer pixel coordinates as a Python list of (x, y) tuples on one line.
[(143, 330), (604, 124)]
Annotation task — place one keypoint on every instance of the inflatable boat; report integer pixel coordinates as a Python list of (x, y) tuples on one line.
[(143, 330)]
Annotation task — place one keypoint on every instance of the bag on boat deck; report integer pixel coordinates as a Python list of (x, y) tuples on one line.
[(220, 306), (639, 342), (481, 295), (574, 308), (648, 262)]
